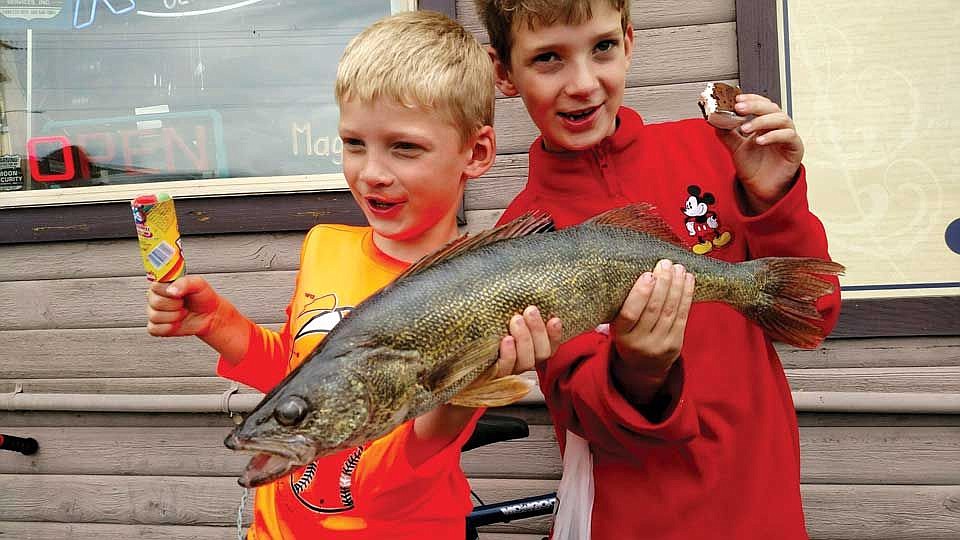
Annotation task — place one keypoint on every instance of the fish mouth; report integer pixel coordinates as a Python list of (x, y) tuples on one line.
[(272, 459)]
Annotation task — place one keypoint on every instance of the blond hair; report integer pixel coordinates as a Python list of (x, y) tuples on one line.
[(503, 17), (421, 59)]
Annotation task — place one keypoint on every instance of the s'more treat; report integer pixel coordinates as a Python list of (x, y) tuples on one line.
[(716, 103)]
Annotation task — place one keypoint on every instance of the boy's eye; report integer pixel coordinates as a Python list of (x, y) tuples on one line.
[(353, 143), (407, 148), (545, 58), (606, 45)]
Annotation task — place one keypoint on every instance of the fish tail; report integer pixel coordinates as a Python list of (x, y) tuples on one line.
[(789, 288)]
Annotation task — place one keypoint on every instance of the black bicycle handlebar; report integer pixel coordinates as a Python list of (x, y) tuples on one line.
[(505, 512), (26, 446)]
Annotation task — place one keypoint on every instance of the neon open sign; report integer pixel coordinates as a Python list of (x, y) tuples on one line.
[(190, 144)]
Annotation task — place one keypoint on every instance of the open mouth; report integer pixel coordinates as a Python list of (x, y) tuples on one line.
[(382, 205), (578, 116), (271, 461)]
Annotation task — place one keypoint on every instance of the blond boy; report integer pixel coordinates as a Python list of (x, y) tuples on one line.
[(415, 92)]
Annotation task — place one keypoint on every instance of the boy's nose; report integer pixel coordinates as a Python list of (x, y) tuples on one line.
[(374, 174), (583, 81)]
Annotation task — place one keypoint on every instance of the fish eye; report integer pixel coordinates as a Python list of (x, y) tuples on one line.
[(291, 411)]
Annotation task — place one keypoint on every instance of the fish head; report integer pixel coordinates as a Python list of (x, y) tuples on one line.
[(305, 417)]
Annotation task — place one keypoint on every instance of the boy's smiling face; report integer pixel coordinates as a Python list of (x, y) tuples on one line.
[(571, 77), (406, 168)]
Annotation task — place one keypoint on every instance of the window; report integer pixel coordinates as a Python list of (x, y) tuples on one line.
[(870, 91), (102, 99)]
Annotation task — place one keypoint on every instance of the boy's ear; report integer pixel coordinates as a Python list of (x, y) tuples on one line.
[(628, 42), (502, 71), (482, 154)]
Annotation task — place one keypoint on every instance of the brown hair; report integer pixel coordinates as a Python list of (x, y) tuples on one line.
[(501, 17)]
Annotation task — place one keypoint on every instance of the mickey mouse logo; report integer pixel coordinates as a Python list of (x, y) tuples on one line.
[(702, 222)]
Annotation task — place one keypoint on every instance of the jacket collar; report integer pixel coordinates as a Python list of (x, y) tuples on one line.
[(574, 172)]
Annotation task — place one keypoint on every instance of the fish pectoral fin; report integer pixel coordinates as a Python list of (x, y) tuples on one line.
[(493, 393), (641, 217), (465, 362)]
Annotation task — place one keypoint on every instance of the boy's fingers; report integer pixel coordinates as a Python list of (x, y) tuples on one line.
[(163, 289), (188, 285), (635, 303), (538, 333), (161, 330), (672, 303), (164, 317), (683, 312), (508, 356), (555, 333), (780, 136), (651, 313), (524, 343), (770, 122), (163, 303), (748, 104)]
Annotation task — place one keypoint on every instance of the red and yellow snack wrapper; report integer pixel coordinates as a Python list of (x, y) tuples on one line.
[(156, 221)]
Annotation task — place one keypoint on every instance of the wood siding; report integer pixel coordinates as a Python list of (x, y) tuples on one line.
[(72, 317)]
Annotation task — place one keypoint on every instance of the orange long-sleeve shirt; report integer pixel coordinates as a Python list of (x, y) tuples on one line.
[(364, 493)]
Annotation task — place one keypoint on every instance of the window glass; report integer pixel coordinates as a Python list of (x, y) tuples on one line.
[(112, 92)]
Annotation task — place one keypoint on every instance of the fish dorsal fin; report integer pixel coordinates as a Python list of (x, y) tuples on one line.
[(529, 223), (640, 217)]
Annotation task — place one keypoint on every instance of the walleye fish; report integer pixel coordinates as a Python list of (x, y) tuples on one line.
[(433, 335)]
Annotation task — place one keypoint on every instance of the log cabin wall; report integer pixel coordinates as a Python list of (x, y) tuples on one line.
[(71, 322)]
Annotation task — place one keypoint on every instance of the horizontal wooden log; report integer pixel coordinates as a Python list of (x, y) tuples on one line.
[(112, 258), (497, 188), (533, 414), (199, 451), (515, 130), (121, 302), (830, 455), (832, 511), (26, 530), (643, 14), (150, 386), (882, 512), (875, 352), (912, 380)]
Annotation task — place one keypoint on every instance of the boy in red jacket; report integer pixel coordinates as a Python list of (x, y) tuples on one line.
[(688, 419), (415, 92)]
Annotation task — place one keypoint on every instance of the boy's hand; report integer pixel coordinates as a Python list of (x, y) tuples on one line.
[(648, 331), (766, 151), (529, 343), (186, 307)]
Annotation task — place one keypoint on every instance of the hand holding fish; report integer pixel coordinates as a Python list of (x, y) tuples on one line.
[(766, 151), (648, 331), (530, 342)]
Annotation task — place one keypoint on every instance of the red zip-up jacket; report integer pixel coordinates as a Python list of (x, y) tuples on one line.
[(723, 461)]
